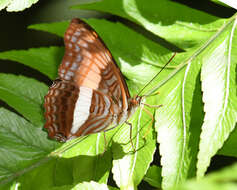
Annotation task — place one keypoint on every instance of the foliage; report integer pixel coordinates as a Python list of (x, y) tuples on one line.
[(224, 179), (16, 5), (197, 91), (226, 3)]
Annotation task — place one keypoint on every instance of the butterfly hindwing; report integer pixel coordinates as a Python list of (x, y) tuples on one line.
[(59, 108)]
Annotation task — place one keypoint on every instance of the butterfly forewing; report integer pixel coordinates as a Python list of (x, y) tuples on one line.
[(99, 95)]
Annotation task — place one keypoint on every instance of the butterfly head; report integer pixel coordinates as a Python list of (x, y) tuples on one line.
[(136, 100)]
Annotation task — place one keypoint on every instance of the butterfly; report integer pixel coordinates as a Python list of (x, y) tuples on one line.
[(90, 94)]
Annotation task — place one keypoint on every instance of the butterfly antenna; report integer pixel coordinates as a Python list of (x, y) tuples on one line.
[(157, 74)]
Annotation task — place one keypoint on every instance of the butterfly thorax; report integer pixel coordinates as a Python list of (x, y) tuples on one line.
[(125, 114)]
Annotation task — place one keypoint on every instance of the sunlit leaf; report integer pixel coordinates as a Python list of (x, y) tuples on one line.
[(219, 94), (221, 180), (219, 2), (85, 185), (16, 5), (185, 27), (180, 119), (228, 3)]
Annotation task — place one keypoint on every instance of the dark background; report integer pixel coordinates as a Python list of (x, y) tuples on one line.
[(15, 35)]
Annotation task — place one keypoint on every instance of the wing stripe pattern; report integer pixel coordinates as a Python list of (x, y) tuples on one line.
[(59, 105), (82, 108), (101, 116)]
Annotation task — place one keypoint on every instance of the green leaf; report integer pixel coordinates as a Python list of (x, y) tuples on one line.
[(67, 167), (22, 145), (90, 162), (4, 3), (221, 180), (226, 3), (57, 28), (219, 94), (180, 119), (173, 132), (16, 5), (43, 170), (85, 186), (219, 2), (24, 95), (185, 27), (230, 146), (74, 162), (45, 60), (153, 176)]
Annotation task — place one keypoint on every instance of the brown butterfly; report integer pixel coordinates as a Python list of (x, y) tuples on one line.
[(90, 93)]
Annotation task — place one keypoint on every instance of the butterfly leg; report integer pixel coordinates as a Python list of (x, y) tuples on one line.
[(152, 106), (150, 125), (130, 125), (110, 128), (152, 118)]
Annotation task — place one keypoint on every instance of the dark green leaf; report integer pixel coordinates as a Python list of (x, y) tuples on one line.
[(185, 27), (24, 95), (153, 176), (230, 146), (45, 60), (22, 145), (57, 28), (221, 180)]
